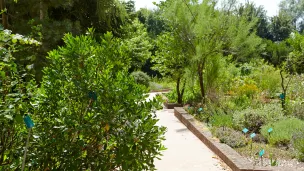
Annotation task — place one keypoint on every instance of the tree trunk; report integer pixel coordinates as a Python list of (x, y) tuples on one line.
[(179, 96), (4, 16), (41, 10), (201, 82)]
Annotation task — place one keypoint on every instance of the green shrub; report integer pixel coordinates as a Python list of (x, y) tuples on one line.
[(298, 144), (253, 119), (231, 137), (93, 115), (17, 98), (268, 79), (141, 78), (222, 120), (172, 96), (296, 109), (282, 131), (192, 97)]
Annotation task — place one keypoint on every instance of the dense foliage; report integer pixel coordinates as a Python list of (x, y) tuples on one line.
[(17, 98), (93, 113)]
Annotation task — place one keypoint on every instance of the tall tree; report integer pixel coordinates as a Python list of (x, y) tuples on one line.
[(171, 59), (294, 9), (281, 27), (253, 12), (208, 33), (138, 42)]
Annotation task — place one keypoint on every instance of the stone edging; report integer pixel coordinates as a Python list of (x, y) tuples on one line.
[(233, 159), (172, 105)]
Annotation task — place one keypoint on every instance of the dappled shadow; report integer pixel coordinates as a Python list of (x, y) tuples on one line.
[(182, 130)]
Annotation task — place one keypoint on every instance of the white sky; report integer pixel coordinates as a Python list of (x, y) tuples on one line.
[(271, 6)]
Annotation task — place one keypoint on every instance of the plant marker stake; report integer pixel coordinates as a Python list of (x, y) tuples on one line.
[(245, 130), (25, 150), (261, 153), (252, 136), (269, 131), (29, 124)]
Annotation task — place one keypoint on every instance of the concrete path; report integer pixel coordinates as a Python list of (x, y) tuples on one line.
[(185, 152)]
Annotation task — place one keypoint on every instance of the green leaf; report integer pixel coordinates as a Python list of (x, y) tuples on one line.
[(19, 119), (14, 40), (9, 117)]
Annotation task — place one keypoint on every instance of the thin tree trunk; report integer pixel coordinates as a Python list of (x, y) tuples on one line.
[(4, 16), (41, 10), (179, 97), (201, 82), (183, 89)]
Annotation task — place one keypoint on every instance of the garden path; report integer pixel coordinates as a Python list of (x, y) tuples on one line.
[(185, 152)]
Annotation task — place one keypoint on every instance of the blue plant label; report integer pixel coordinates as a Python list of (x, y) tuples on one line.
[(245, 130), (262, 152), (200, 109), (93, 95), (270, 130), (28, 122), (252, 135), (282, 96)]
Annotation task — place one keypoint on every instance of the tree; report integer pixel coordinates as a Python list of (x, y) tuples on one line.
[(153, 21), (208, 33), (294, 10), (276, 52), (295, 60), (250, 11), (138, 42), (171, 59), (280, 27)]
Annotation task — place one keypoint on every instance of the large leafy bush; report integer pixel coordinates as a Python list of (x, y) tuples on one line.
[(93, 114)]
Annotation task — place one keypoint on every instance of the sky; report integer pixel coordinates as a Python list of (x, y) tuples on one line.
[(271, 6)]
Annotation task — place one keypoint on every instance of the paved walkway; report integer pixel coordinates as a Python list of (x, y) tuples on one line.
[(185, 152)]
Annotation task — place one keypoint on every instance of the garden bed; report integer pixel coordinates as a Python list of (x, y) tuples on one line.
[(232, 158)]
